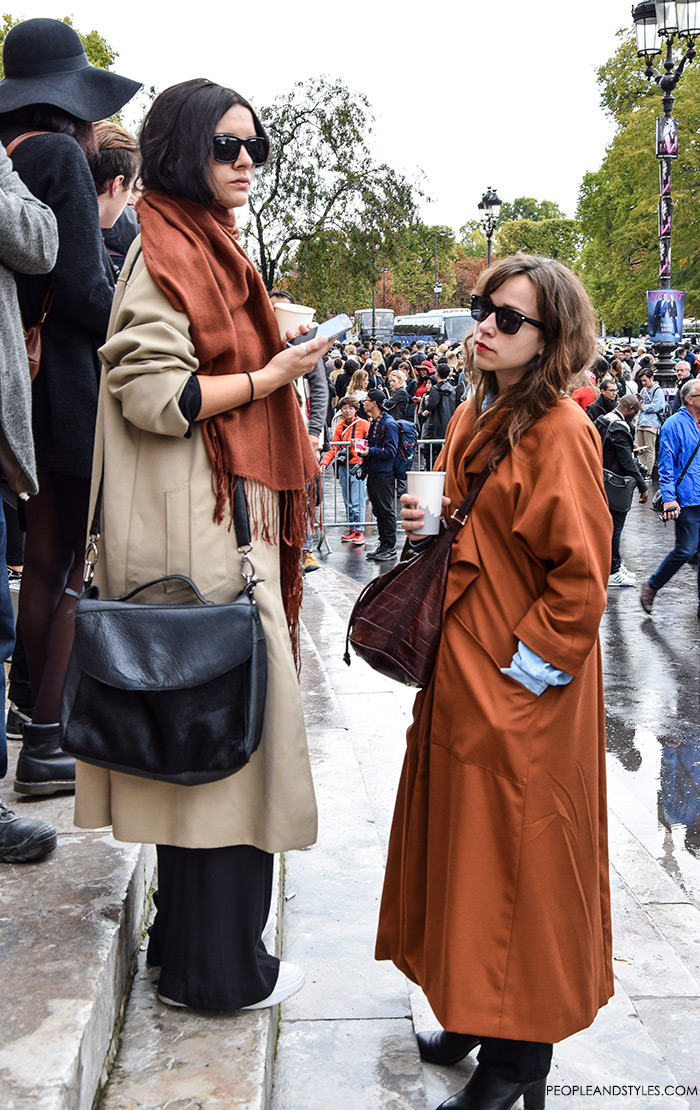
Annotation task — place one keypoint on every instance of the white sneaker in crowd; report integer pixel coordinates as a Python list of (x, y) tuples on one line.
[(622, 577)]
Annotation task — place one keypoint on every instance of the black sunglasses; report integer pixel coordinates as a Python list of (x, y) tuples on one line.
[(508, 320), (228, 147)]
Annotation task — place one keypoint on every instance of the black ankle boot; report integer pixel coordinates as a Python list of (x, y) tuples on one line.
[(42, 768), (487, 1090), (445, 1048)]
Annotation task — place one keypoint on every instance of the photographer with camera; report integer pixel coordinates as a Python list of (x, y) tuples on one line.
[(343, 449)]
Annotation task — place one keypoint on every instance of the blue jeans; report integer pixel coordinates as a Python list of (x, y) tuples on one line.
[(7, 634), (687, 544), (353, 491)]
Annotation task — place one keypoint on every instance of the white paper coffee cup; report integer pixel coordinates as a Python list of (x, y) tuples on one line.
[(428, 487), (290, 316)]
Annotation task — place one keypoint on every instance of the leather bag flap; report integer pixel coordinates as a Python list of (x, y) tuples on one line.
[(135, 646)]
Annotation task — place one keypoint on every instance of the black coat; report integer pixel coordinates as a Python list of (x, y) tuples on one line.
[(618, 441), (400, 405), (64, 394), (440, 403), (600, 407)]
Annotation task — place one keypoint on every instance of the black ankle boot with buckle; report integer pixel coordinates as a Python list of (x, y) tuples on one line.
[(42, 767)]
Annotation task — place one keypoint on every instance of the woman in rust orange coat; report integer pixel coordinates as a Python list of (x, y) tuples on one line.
[(496, 897)]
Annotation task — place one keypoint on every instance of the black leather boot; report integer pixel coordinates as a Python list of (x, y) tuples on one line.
[(487, 1090), (444, 1047), (42, 768), (24, 838)]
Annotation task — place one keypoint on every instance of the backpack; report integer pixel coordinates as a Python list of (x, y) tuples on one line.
[(408, 441)]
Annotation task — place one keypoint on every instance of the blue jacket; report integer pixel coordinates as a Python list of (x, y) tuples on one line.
[(653, 405), (383, 443), (679, 437)]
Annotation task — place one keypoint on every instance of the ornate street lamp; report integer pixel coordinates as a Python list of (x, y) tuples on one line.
[(385, 271), (654, 21), (437, 286), (490, 207)]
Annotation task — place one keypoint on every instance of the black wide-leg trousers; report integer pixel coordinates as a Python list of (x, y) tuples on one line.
[(212, 905)]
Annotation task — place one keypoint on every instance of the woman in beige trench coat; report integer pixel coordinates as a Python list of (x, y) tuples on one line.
[(496, 895), (195, 396)]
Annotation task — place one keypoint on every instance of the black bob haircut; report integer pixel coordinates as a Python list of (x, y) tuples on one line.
[(176, 137)]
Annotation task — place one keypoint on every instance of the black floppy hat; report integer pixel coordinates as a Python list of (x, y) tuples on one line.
[(45, 63)]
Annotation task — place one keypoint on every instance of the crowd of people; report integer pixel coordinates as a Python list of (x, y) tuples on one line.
[(646, 432), (159, 395), (398, 395)]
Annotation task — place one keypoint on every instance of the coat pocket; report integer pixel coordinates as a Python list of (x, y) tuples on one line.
[(484, 717)]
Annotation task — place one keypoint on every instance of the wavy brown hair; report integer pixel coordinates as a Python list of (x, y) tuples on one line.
[(569, 346)]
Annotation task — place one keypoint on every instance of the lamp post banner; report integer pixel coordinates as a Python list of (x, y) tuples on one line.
[(665, 178), (665, 217), (667, 137), (665, 309)]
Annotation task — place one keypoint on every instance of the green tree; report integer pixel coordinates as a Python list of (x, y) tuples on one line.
[(413, 276), (554, 238), (472, 240), (527, 208), (321, 181), (99, 52), (618, 203)]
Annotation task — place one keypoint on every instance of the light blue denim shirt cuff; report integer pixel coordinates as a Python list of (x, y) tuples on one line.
[(532, 671)]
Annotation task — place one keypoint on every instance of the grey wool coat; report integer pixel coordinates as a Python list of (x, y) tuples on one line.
[(28, 245)]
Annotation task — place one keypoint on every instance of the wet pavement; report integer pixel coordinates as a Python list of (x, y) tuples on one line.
[(347, 1040)]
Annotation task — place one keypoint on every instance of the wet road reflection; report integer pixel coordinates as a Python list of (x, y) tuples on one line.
[(651, 669)]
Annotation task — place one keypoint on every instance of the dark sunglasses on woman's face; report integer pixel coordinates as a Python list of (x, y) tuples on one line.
[(228, 147), (508, 320)]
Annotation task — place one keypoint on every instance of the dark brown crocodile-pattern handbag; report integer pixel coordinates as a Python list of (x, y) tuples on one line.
[(396, 622)]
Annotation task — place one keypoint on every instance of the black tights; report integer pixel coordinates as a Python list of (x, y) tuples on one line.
[(54, 556)]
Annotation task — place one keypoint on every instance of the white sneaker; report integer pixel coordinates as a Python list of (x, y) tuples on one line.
[(289, 980), (622, 577), (171, 1002)]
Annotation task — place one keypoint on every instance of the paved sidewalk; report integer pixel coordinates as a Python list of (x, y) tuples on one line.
[(69, 926)]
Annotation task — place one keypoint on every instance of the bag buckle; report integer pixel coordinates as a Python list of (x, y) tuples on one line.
[(247, 568), (91, 557), (461, 520)]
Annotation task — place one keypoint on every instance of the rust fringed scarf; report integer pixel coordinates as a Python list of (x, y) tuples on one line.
[(193, 255)]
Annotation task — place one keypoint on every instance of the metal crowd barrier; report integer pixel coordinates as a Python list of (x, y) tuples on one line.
[(334, 514)]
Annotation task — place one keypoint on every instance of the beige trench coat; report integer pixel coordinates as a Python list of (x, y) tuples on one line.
[(157, 519)]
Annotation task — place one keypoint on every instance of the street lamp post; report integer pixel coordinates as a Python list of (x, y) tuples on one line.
[(654, 21), (490, 207), (437, 286), (385, 271)]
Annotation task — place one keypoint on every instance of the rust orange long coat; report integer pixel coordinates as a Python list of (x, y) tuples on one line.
[(496, 897)]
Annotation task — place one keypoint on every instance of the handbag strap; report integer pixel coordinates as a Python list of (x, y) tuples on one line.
[(239, 512), (685, 468), (459, 517), (11, 148)]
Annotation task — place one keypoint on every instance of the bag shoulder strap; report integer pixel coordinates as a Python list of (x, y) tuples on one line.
[(683, 472), (461, 514), (20, 139)]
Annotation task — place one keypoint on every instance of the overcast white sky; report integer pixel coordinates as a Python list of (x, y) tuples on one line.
[(499, 93)]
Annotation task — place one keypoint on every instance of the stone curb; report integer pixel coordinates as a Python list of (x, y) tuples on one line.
[(184, 1058), (70, 929)]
